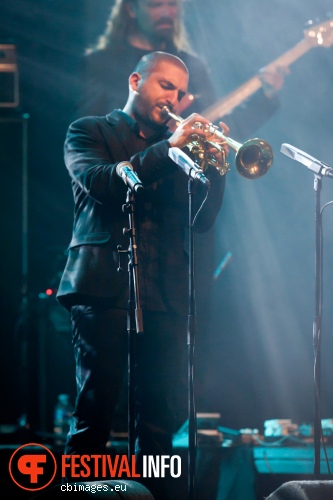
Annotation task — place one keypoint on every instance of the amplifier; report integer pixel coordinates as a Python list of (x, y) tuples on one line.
[(290, 459), (9, 78)]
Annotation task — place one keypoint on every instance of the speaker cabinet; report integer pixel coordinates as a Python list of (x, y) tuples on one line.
[(13, 213), (13, 252), (304, 490)]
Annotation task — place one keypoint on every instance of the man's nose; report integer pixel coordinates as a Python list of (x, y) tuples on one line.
[(168, 11), (172, 103)]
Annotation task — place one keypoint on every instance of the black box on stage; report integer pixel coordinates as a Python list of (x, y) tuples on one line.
[(9, 78)]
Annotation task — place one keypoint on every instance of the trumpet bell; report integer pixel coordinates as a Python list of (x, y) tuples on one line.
[(254, 158)]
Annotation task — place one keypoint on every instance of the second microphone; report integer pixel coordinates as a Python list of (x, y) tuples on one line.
[(125, 170)]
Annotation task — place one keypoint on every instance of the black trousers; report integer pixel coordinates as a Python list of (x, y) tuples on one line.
[(100, 342)]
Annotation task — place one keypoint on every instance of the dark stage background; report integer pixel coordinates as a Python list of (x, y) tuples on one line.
[(254, 344)]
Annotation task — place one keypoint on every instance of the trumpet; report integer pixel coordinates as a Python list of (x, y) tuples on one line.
[(253, 158)]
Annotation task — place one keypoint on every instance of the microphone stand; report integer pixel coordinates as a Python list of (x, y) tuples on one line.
[(134, 316), (192, 431), (317, 323), (319, 169)]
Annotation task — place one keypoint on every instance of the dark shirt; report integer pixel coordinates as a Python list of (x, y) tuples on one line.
[(149, 214)]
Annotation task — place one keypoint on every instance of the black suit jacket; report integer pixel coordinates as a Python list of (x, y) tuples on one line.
[(93, 148)]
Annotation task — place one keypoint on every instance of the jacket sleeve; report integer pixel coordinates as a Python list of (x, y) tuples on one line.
[(92, 165)]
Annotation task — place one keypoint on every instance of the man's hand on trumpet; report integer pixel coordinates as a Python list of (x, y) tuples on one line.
[(188, 130), (196, 128), (215, 155), (206, 142)]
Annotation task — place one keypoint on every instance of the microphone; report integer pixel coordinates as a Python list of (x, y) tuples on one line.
[(316, 166), (190, 168), (125, 170)]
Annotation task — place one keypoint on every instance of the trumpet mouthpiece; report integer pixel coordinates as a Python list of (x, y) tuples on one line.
[(165, 111)]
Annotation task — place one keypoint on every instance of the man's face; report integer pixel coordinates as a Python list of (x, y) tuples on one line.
[(156, 18), (164, 86)]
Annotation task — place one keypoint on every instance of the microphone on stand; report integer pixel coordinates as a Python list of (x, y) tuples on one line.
[(316, 166), (125, 170), (190, 168)]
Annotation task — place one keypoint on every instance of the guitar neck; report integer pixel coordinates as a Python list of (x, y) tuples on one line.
[(236, 97)]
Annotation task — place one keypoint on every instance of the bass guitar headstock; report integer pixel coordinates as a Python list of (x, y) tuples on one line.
[(320, 34)]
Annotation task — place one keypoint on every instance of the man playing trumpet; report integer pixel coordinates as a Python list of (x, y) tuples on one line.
[(97, 295)]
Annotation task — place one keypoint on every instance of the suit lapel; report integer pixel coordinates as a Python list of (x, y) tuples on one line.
[(121, 143)]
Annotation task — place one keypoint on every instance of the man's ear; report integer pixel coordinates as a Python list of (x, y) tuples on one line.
[(134, 81)]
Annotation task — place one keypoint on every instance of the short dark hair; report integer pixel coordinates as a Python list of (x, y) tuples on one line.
[(148, 62)]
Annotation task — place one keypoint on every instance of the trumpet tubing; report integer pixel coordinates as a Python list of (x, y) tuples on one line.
[(253, 158)]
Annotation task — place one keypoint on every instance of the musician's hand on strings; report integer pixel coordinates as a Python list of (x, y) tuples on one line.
[(272, 79)]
